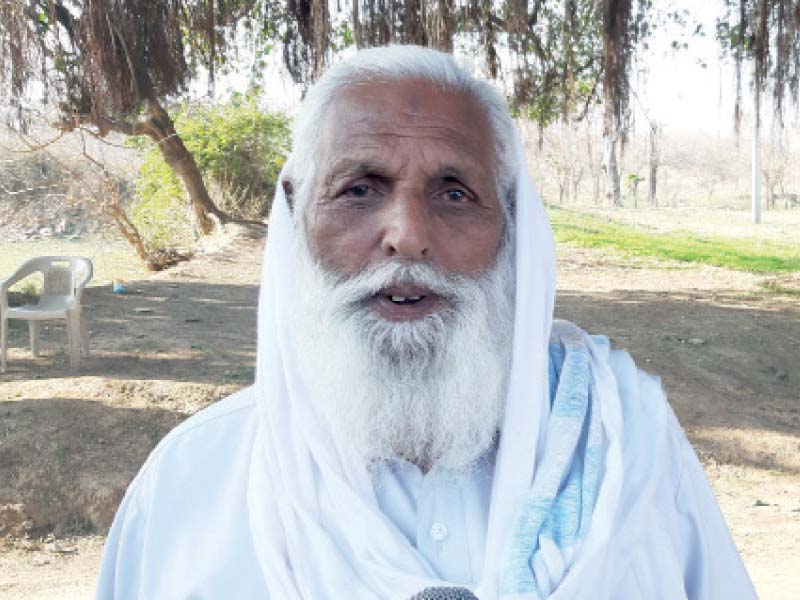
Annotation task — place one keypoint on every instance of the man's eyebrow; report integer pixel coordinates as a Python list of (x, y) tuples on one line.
[(348, 167), (343, 167), (463, 175), (352, 168), (451, 172)]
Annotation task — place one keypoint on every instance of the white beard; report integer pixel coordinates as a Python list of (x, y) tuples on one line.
[(431, 391)]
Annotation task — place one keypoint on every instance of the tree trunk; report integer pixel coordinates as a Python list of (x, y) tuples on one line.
[(651, 191), (595, 170), (158, 126), (181, 161), (596, 188), (756, 173), (576, 182), (612, 172), (113, 207)]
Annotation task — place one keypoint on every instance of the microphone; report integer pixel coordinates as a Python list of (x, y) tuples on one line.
[(445, 593)]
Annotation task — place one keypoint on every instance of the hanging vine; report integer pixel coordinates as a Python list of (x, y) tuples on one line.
[(765, 34), (557, 57)]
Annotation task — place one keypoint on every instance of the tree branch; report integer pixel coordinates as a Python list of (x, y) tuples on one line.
[(106, 124), (32, 147)]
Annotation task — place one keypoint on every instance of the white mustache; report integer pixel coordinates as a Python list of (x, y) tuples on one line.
[(351, 292)]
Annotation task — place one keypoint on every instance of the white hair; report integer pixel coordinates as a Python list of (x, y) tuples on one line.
[(430, 391), (393, 63)]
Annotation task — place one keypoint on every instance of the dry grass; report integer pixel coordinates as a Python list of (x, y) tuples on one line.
[(112, 258)]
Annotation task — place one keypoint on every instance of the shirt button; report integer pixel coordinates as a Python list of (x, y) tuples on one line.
[(438, 532)]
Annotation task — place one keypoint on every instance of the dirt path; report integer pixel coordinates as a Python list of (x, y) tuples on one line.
[(729, 358)]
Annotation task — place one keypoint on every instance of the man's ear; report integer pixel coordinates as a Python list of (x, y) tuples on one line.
[(288, 190)]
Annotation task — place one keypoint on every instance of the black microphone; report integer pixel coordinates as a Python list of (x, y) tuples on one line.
[(445, 593)]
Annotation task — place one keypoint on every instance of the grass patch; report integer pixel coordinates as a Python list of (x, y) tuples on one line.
[(743, 254)]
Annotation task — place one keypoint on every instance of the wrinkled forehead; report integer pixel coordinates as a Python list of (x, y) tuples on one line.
[(372, 113)]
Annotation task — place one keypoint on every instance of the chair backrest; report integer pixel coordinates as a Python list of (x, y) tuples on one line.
[(58, 281), (63, 275)]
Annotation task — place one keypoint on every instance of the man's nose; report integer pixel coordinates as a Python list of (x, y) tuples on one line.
[(407, 230)]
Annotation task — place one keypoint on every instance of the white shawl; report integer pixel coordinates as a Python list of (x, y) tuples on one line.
[(316, 524)]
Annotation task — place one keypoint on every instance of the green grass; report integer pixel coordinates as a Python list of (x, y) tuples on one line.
[(741, 254)]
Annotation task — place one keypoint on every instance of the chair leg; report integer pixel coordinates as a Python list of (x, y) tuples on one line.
[(33, 328), (3, 342), (74, 341), (84, 336)]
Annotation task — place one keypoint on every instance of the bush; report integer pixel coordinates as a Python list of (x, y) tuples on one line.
[(239, 150), (160, 210)]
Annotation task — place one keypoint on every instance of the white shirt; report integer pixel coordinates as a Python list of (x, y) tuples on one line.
[(182, 530), (442, 513)]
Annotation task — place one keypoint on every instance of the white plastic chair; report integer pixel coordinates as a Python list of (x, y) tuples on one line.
[(65, 277)]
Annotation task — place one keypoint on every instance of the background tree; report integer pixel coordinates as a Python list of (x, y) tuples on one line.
[(775, 167), (111, 65), (655, 159), (563, 57), (563, 153), (239, 149), (764, 34)]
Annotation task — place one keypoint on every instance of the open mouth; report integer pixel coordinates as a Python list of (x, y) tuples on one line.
[(405, 299), (405, 302)]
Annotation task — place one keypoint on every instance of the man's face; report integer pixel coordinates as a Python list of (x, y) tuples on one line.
[(407, 171), (404, 278)]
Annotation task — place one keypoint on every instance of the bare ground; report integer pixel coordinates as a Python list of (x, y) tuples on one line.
[(728, 354)]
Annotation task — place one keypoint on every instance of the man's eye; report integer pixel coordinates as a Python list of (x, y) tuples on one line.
[(358, 191), (455, 195)]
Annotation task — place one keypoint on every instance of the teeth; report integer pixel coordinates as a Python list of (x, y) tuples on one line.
[(402, 299)]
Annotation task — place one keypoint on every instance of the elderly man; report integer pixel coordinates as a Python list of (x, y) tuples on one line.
[(419, 426)]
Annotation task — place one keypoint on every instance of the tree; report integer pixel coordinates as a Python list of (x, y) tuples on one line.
[(775, 167), (765, 34), (563, 57), (655, 159), (633, 181), (110, 66), (562, 154), (239, 149)]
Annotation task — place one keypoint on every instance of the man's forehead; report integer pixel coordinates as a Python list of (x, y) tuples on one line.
[(363, 118), (407, 96)]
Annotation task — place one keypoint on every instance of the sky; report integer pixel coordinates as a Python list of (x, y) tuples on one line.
[(680, 93)]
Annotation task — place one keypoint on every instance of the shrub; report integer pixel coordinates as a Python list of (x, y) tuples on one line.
[(239, 150), (160, 210)]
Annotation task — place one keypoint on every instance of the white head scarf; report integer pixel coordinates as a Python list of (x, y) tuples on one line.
[(316, 524)]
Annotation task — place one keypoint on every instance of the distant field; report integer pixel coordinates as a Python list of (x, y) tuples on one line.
[(776, 225), (718, 238), (112, 258)]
